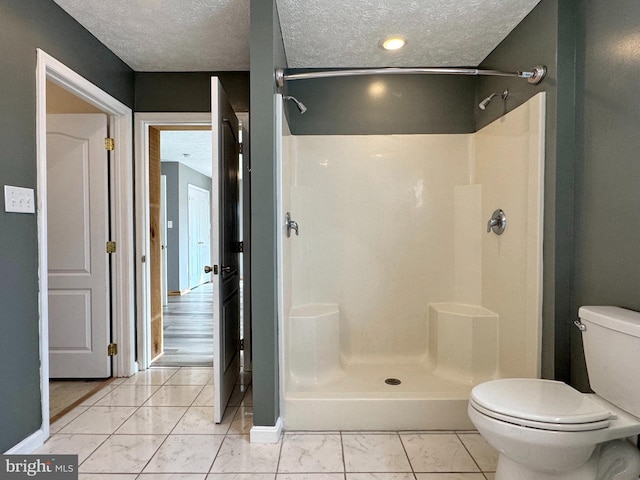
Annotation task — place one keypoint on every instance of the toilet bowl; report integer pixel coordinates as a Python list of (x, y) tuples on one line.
[(546, 430)]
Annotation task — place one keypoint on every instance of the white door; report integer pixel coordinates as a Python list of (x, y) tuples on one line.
[(199, 218), (225, 249), (164, 239), (77, 232)]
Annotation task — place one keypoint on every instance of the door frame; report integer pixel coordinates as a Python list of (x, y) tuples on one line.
[(122, 280), (191, 188), (142, 123)]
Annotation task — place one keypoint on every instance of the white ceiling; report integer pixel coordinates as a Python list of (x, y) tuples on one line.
[(210, 35), (189, 147), (439, 33), (169, 35)]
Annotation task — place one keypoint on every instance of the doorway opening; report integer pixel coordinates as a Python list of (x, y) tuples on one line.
[(79, 269), (225, 243), (180, 194), (149, 129), (86, 300)]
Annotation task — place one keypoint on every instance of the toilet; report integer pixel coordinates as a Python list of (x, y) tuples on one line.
[(546, 430)]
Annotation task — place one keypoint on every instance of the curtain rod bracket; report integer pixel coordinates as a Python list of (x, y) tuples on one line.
[(535, 76)]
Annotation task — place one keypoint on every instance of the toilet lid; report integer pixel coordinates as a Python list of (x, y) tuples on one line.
[(535, 400)]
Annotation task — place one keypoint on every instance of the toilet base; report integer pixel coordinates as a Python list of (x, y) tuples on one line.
[(615, 460)]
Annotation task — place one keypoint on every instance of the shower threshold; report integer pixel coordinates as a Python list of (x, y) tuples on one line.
[(358, 398)]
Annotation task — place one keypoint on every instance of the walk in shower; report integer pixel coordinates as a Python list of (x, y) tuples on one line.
[(397, 296)]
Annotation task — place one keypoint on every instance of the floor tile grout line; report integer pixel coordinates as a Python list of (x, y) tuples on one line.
[(279, 454), (407, 455), (470, 454), (344, 461), (120, 426), (114, 433), (155, 452)]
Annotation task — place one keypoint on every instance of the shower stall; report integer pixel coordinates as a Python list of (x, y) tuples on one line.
[(396, 294)]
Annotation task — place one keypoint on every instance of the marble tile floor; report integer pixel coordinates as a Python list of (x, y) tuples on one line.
[(158, 425)]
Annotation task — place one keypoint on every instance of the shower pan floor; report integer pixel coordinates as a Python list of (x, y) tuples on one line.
[(359, 399)]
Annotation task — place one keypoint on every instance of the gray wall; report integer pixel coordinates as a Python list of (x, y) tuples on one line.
[(546, 36), (607, 226), (188, 91), (24, 26), (179, 177), (409, 104), (170, 169), (267, 53)]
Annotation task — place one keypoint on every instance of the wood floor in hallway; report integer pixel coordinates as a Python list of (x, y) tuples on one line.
[(188, 329)]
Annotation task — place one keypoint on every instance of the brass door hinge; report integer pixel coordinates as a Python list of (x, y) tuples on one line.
[(240, 148), (111, 247), (242, 344), (109, 144), (112, 349), (240, 247)]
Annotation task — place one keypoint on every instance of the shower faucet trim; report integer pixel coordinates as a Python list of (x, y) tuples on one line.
[(291, 225), (497, 222)]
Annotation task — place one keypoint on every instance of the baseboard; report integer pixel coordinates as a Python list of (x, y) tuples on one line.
[(28, 445), (178, 293), (261, 434)]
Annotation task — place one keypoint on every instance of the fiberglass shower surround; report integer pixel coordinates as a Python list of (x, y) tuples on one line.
[(394, 278)]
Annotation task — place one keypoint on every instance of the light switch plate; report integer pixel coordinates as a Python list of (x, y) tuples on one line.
[(19, 199)]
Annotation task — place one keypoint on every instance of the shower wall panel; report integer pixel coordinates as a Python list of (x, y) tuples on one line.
[(509, 165), (376, 235)]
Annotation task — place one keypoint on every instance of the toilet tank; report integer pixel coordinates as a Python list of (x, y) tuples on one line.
[(611, 342)]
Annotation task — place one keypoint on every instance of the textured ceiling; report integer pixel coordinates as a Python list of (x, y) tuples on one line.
[(169, 35), (346, 33), (189, 147), (210, 35)]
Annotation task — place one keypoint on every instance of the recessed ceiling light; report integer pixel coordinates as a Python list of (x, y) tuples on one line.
[(393, 43)]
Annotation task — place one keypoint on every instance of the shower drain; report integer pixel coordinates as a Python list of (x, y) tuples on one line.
[(392, 381)]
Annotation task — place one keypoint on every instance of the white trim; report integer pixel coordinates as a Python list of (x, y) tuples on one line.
[(142, 123), (29, 444), (261, 434), (278, 119), (48, 68)]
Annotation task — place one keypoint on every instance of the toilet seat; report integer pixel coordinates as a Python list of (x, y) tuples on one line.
[(542, 404)]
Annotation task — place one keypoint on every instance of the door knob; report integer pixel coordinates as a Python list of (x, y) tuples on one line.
[(226, 269), (208, 269)]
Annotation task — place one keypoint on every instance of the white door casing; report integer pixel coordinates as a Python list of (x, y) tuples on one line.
[(122, 286), (77, 198), (143, 121), (164, 239), (199, 219)]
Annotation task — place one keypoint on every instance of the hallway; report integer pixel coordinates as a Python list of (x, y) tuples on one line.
[(188, 329)]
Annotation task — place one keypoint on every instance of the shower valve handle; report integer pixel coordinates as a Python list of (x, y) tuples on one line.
[(291, 225), (497, 222)]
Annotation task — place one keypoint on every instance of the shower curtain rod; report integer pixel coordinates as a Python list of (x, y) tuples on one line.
[(534, 76)]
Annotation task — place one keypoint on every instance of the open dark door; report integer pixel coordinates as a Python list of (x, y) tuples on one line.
[(225, 251)]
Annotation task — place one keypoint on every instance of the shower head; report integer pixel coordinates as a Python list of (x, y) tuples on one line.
[(299, 104), (483, 104)]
